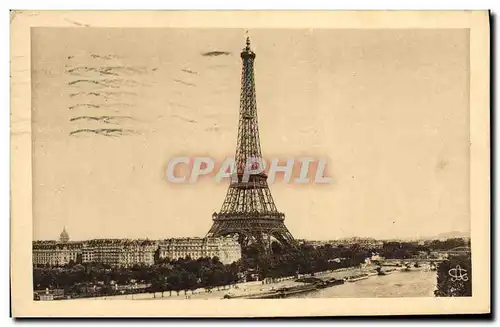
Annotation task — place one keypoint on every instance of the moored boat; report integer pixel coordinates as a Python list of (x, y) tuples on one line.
[(321, 282), (330, 282), (386, 272), (275, 293)]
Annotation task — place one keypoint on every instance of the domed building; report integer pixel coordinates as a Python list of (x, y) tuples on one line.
[(64, 237)]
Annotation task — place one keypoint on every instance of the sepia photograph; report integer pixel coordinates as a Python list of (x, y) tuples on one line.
[(198, 162)]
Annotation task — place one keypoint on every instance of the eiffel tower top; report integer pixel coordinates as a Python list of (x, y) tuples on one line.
[(247, 51)]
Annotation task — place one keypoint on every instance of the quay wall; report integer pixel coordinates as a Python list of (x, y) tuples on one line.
[(338, 273)]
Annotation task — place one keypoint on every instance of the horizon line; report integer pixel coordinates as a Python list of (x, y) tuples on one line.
[(419, 238)]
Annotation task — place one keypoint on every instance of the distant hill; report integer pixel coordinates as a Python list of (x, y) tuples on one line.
[(453, 234)]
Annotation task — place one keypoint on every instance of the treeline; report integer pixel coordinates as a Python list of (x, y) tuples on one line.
[(186, 274), (306, 260), (448, 244), (402, 250), (99, 279), (406, 250)]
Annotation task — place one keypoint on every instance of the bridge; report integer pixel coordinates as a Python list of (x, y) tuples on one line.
[(410, 261), (461, 250)]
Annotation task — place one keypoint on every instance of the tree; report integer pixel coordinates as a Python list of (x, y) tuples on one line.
[(190, 281), (215, 260), (157, 285), (174, 282), (205, 276), (107, 290)]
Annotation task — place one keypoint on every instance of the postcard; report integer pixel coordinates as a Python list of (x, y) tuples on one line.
[(284, 163)]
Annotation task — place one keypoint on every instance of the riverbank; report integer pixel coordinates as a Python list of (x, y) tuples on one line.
[(400, 284), (253, 289), (239, 289)]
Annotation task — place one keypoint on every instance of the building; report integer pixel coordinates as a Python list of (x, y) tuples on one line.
[(64, 237), (119, 252), (56, 253), (113, 252), (227, 249), (127, 253)]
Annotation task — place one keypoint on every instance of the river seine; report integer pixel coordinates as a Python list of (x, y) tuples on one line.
[(398, 284), (418, 283)]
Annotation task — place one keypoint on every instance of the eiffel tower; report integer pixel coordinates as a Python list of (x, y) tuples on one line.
[(248, 209)]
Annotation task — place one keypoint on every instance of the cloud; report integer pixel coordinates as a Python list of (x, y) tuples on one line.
[(215, 53)]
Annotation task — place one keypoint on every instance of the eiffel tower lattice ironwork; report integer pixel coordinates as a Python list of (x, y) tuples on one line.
[(248, 209)]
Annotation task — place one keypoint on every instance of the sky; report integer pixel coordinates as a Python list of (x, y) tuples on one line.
[(387, 109)]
